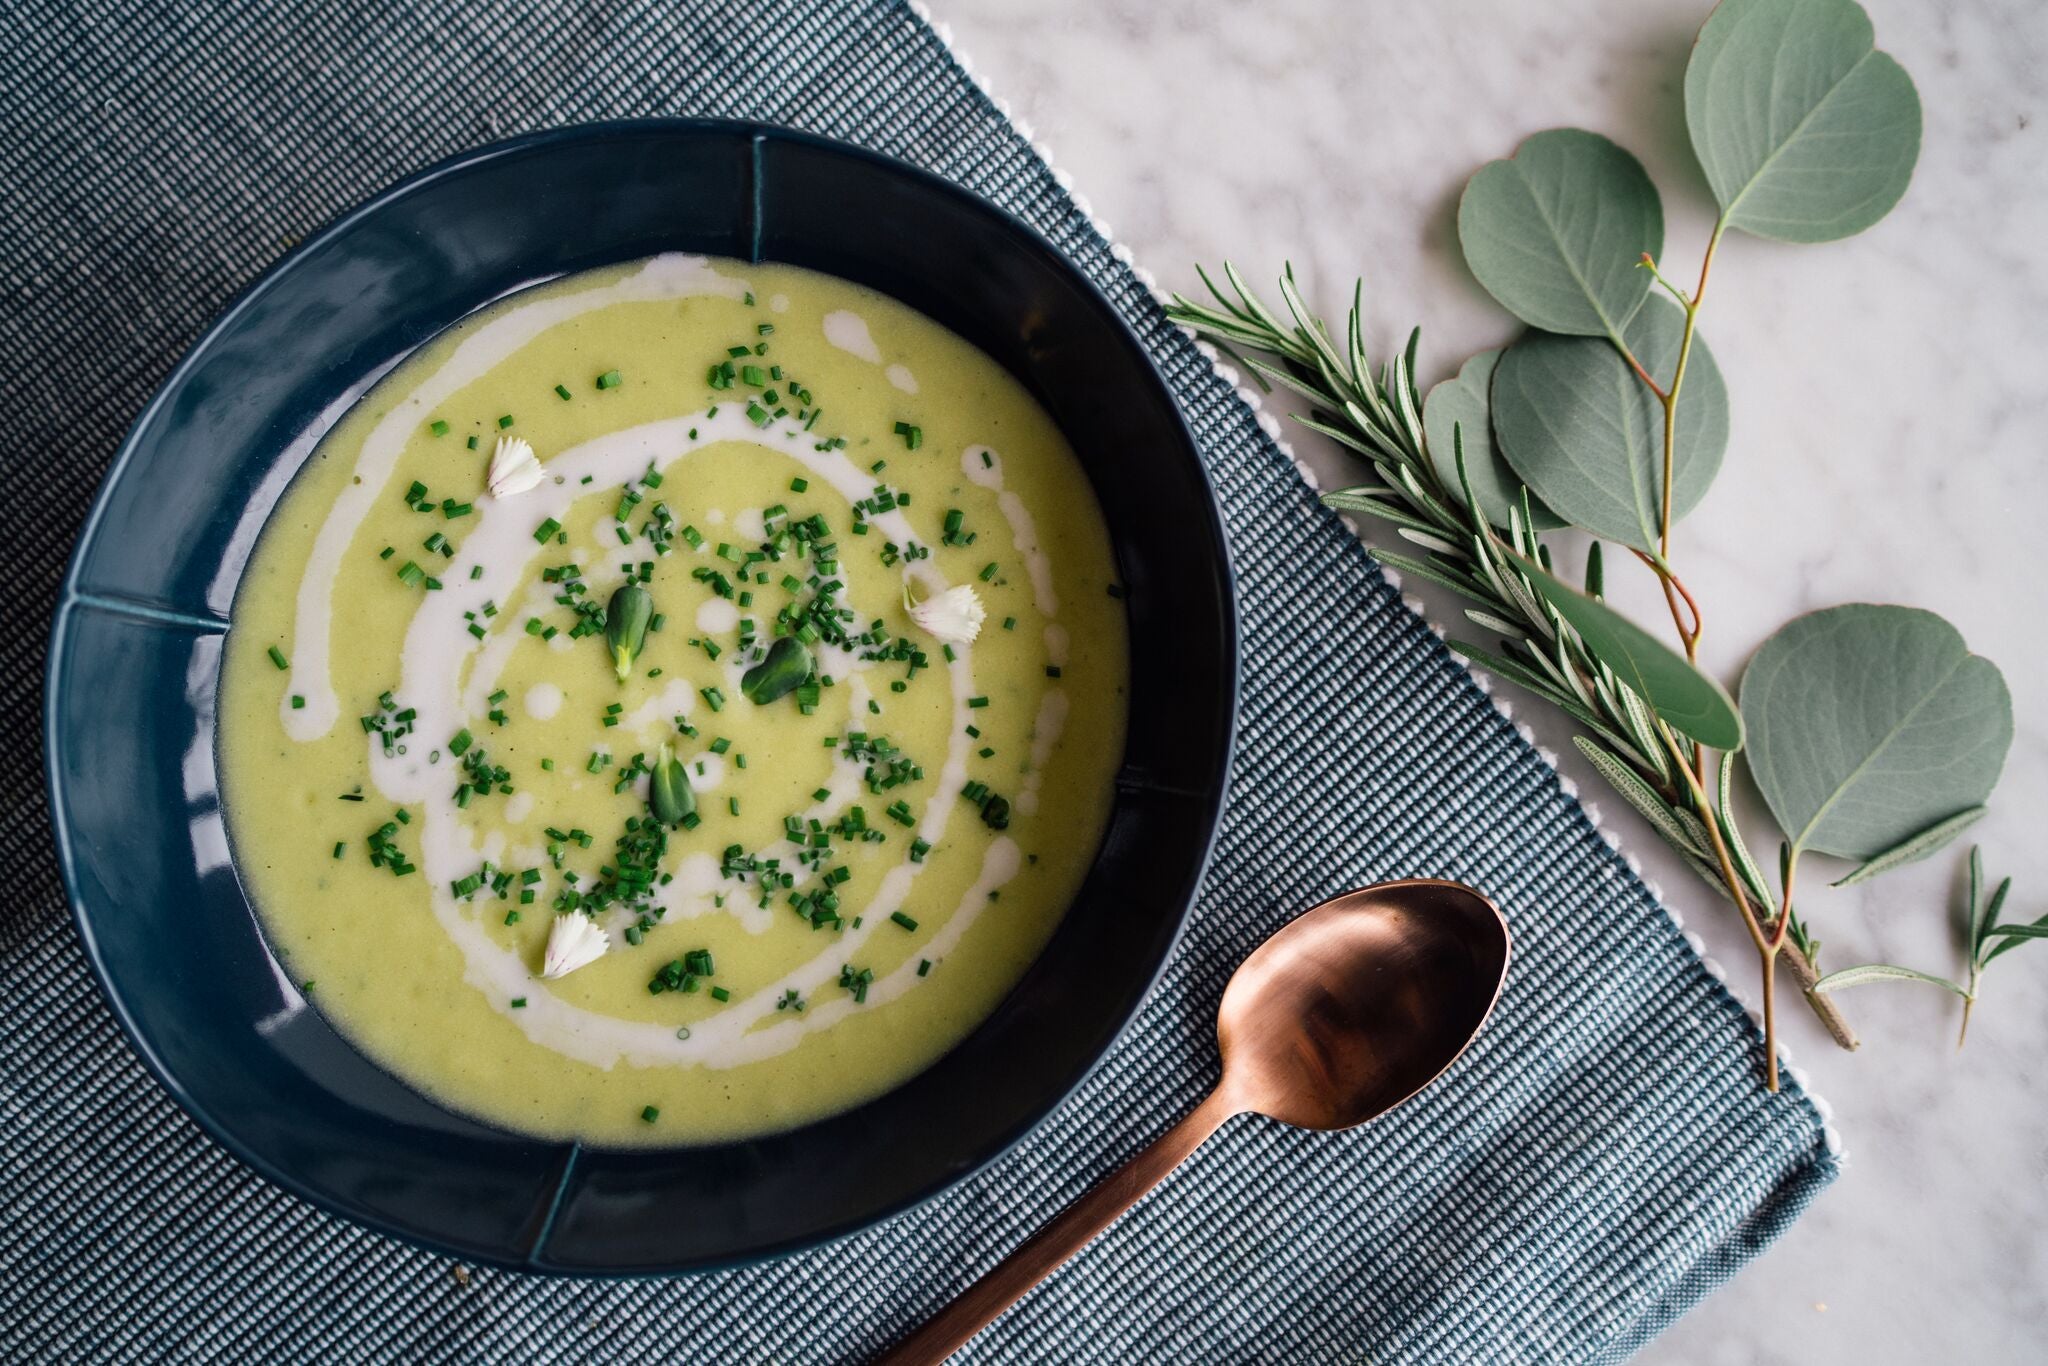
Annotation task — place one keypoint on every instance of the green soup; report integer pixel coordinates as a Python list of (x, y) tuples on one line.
[(433, 767)]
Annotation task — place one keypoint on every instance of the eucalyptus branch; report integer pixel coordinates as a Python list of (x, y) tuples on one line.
[(1378, 415), (1552, 431)]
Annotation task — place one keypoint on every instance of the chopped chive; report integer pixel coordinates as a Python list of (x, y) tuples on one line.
[(651, 1113), (546, 530), (562, 392), (298, 702), (505, 420), (905, 921), (610, 379), (277, 658), (913, 437), (438, 427)]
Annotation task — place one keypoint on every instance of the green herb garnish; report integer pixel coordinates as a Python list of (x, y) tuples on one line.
[(783, 670), (625, 626), (669, 795)]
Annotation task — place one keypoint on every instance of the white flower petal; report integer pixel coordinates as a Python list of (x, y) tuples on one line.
[(954, 616), (574, 941), (514, 468)]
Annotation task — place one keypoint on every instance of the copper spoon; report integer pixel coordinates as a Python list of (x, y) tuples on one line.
[(1344, 1013)]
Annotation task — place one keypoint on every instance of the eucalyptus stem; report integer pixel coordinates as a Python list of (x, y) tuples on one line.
[(1790, 871), (1669, 396), (1689, 633), (1767, 948)]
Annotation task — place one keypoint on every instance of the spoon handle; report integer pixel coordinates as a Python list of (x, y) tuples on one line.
[(976, 1308)]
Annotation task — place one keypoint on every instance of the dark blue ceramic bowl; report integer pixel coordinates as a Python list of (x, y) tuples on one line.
[(135, 656)]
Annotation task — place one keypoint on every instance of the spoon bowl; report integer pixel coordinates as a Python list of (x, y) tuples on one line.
[(1360, 1002), (1345, 1012)]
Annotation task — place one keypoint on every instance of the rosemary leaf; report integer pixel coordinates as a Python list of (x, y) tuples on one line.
[(2012, 936), (1367, 501), (1436, 574), (1498, 625), (1536, 683), (1915, 847), (1641, 796), (1427, 540), (1731, 834), (1883, 972)]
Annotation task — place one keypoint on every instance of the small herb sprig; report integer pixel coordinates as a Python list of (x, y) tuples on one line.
[(1871, 731), (1985, 937)]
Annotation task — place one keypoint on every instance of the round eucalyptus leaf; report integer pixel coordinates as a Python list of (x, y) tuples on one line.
[(1806, 132), (1557, 231), (1460, 405), (1587, 436), (1868, 724)]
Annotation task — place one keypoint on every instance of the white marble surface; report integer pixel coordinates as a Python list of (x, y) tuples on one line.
[(1890, 443)]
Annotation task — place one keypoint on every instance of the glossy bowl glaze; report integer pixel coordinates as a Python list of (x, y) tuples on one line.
[(135, 657)]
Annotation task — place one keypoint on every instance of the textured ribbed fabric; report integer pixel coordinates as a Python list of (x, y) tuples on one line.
[(1603, 1157)]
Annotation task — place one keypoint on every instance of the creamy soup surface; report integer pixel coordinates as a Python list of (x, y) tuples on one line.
[(460, 823)]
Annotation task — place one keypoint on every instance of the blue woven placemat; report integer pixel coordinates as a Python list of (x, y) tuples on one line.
[(1601, 1159)]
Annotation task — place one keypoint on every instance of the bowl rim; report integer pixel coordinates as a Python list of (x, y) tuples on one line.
[(71, 596)]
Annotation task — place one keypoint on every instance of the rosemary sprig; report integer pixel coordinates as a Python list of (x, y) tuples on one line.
[(1984, 938), (1377, 414)]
